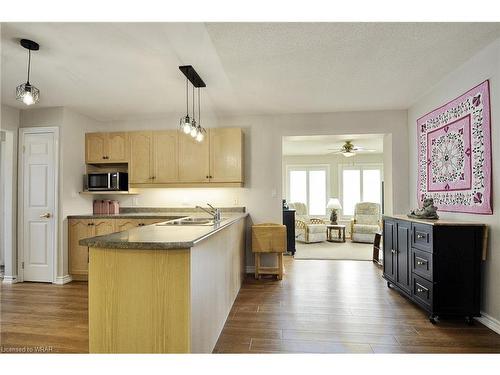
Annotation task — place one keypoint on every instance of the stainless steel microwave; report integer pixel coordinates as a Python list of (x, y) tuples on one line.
[(110, 181)]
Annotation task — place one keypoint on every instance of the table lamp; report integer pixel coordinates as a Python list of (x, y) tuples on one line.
[(334, 205)]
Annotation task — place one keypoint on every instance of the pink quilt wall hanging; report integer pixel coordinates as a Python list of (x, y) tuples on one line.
[(454, 154)]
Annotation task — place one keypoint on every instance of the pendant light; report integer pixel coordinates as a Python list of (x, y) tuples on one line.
[(185, 122), (201, 130), (189, 125), (194, 128), (26, 92)]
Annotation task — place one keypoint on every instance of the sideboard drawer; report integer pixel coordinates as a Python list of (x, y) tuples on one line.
[(421, 237), (422, 291), (421, 263)]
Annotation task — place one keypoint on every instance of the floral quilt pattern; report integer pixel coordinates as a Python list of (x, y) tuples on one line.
[(454, 154)]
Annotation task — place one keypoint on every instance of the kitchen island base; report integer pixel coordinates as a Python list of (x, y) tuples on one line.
[(164, 300)]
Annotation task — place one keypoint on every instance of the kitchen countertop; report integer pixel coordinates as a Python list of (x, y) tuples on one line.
[(167, 213), (155, 237), (435, 221)]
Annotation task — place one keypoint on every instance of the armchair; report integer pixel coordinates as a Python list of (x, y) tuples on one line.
[(307, 229), (366, 222)]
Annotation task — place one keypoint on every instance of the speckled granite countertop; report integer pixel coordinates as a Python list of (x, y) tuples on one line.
[(167, 213), (158, 237)]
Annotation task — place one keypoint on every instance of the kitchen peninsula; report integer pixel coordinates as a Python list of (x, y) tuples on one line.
[(166, 287)]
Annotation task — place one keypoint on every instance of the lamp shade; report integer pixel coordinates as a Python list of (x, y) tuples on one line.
[(334, 203)]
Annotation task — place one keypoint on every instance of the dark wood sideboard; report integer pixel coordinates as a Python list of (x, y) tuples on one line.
[(436, 264), (289, 222)]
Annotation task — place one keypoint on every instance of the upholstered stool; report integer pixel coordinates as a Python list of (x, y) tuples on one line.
[(269, 238)]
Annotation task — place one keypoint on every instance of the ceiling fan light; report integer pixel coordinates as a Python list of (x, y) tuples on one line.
[(27, 93), (348, 154)]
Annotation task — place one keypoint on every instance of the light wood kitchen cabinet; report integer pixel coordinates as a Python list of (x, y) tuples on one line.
[(193, 160), (78, 255), (125, 224), (141, 158), (170, 158), (117, 147), (79, 229), (165, 156), (103, 226), (95, 147), (226, 155), (106, 147)]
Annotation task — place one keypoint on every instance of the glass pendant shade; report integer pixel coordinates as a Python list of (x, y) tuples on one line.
[(200, 136), (348, 154), (27, 93), (185, 124), (194, 129)]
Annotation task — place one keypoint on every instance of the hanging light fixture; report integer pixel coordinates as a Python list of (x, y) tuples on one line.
[(185, 122), (194, 128), (201, 130), (26, 92), (188, 125)]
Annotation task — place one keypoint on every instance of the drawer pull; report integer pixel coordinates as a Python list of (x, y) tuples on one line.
[(421, 289), (393, 251), (420, 236), (421, 261)]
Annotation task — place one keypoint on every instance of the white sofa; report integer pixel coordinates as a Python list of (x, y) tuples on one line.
[(307, 229), (366, 222)]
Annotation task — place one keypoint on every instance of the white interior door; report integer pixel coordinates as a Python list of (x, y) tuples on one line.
[(39, 205)]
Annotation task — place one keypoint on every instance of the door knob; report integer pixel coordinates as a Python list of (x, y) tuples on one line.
[(46, 215)]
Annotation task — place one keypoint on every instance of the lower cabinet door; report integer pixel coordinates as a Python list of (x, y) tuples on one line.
[(390, 262), (403, 255), (78, 255)]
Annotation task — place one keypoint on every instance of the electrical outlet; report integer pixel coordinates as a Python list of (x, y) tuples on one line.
[(273, 193), (135, 201)]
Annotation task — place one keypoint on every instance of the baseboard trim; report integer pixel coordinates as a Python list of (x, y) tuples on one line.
[(489, 322), (250, 269), (9, 279), (61, 280)]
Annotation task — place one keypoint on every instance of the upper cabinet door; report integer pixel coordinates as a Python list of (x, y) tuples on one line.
[(95, 147), (141, 161), (117, 147), (226, 155), (165, 156), (193, 159)]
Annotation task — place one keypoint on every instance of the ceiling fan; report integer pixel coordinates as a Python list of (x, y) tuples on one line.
[(348, 149)]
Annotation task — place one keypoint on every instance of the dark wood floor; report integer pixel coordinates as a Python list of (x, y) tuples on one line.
[(319, 307)]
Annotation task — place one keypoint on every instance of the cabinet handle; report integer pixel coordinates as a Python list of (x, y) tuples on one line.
[(421, 262), (207, 176), (393, 251), (421, 289), (420, 236)]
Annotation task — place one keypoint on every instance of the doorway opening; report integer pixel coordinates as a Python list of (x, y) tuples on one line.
[(335, 185)]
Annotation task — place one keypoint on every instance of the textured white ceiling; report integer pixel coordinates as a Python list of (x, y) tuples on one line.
[(326, 144), (119, 70)]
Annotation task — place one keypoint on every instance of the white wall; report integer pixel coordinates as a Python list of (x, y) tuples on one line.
[(484, 65), (73, 127), (9, 121)]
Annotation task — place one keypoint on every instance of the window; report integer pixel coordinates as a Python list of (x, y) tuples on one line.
[(360, 184), (309, 185)]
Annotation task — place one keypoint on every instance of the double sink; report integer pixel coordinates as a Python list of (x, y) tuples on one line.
[(190, 221)]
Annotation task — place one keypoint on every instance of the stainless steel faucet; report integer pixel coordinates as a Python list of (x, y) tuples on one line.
[(214, 212)]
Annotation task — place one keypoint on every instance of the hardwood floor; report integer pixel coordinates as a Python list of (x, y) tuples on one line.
[(318, 307), (340, 307)]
